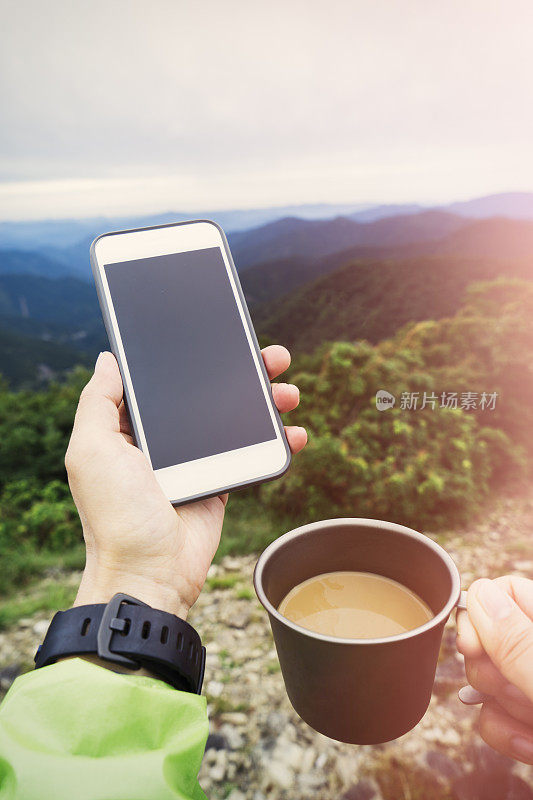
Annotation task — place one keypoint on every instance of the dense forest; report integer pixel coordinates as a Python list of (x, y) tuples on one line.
[(371, 299), (428, 466)]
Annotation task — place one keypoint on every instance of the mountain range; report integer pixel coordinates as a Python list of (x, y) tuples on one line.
[(63, 233), (306, 280), (60, 247), (497, 240)]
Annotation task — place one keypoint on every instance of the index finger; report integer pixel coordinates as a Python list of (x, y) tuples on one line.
[(277, 359)]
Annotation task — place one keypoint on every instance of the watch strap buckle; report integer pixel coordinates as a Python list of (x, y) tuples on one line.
[(111, 623)]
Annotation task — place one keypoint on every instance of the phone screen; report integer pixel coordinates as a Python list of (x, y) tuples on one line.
[(191, 365)]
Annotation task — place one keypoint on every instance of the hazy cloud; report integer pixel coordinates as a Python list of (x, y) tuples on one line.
[(170, 103)]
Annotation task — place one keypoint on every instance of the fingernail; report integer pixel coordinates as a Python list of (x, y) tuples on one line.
[(100, 354), (496, 603), (296, 389), (470, 696), (522, 748)]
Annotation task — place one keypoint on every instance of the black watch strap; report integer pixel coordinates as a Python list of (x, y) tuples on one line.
[(128, 632)]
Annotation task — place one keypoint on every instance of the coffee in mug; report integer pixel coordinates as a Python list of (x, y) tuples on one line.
[(355, 605)]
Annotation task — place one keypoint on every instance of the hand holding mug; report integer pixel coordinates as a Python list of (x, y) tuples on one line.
[(496, 638)]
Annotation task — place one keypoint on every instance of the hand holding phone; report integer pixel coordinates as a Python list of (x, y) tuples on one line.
[(136, 541)]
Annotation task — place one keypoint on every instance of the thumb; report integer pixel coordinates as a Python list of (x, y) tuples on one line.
[(101, 397), (505, 631)]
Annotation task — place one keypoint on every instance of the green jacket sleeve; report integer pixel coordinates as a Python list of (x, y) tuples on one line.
[(77, 730)]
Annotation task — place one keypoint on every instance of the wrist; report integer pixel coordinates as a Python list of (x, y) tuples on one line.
[(98, 585)]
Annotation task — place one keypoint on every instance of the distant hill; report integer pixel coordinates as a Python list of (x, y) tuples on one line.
[(27, 361), (63, 233), (291, 237), (21, 262), (516, 205), (492, 238), (64, 301), (47, 325), (387, 210), (373, 299), (68, 239), (271, 279)]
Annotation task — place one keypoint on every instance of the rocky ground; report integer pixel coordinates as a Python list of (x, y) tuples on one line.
[(258, 747)]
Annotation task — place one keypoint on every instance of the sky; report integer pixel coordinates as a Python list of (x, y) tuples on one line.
[(125, 106)]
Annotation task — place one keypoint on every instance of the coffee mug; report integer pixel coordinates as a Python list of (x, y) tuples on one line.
[(361, 691)]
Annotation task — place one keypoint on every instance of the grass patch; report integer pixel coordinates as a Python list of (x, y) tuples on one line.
[(227, 661), (245, 594), (23, 566), (248, 527), (49, 597), (273, 667), (222, 581), (222, 705)]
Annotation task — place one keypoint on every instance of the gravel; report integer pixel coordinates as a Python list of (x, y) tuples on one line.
[(259, 748)]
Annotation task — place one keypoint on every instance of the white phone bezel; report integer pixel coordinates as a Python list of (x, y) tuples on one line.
[(213, 474)]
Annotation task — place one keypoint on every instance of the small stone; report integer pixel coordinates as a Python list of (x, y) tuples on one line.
[(236, 794), (40, 628), (240, 618), (279, 774), (215, 688), (346, 768), (447, 738), (310, 782), (216, 741), (276, 722), (363, 790), (8, 675), (218, 771), (231, 564), (234, 718), (232, 736), (290, 754), (443, 764), (210, 757), (231, 771), (308, 759)]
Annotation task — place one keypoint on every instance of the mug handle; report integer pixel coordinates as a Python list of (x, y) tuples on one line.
[(468, 695)]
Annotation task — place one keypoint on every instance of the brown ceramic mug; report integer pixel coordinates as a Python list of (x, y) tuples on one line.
[(362, 691)]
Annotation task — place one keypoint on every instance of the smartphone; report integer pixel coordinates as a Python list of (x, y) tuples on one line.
[(195, 385)]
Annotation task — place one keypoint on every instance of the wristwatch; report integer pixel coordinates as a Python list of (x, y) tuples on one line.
[(127, 631)]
